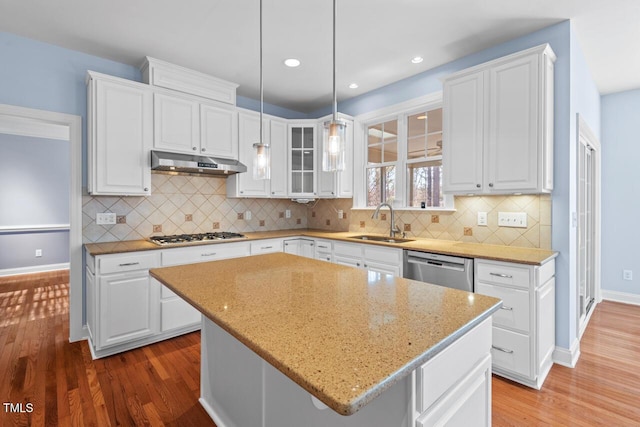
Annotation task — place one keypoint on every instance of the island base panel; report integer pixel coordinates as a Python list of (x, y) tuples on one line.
[(238, 388)]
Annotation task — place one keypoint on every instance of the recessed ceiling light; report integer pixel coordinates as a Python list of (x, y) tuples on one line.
[(417, 59), (422, 117), (353, 86), (292, 62)]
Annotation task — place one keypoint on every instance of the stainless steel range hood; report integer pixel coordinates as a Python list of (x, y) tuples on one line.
[(188, 163)]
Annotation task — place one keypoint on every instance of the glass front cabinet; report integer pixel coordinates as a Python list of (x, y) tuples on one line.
[(302, 159)]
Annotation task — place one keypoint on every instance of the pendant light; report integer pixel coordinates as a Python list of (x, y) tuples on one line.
[(261, 151), (334, 132)]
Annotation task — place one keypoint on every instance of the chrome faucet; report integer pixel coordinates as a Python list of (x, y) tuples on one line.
[(393, 230)]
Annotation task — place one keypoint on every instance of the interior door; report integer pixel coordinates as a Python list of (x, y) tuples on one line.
[(586, 229)]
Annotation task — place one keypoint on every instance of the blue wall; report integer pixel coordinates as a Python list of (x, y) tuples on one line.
[(620, 190)]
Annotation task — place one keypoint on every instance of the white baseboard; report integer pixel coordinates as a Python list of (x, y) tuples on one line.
[(567, 356), (624, 297), (34, 269)]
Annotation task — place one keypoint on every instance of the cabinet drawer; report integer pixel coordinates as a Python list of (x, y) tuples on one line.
[(515, 306), (347, 249), (387, 255), (177, 313), (441, 373), (503, 274), (204, 253), (511, 351), (166, 293), (128, 262), (266, 247), (323, 246), (324, 256)]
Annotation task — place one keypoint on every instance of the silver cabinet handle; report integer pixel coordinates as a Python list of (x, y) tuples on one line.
[(504, 307), (267, 247), (506, 276), (504, 350), (127, 264), (323, 247), (208, 254)]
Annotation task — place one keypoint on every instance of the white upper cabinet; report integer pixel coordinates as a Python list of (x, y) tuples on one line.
[(243, 184), (176, 124), (185, 125), (303, 142), (498, 126), (218, 131), (120, 135)]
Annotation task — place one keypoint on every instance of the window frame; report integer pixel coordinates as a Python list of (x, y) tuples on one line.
[(401, 113)]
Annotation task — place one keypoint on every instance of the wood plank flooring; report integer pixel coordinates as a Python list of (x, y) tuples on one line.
[(158, 385)]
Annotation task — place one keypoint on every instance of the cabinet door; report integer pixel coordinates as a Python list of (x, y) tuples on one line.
[(120, 137), (307, 248), (218, 131), (327, 181), (348, 261), (128, 308), (90, 303), (278, 143), (302, 164), (248, 134), (513, 135), (176, 124), (383, 268), (463, 127), (292, 246)]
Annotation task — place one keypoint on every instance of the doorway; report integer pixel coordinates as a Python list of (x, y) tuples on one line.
[(31, 122), (588, 224)]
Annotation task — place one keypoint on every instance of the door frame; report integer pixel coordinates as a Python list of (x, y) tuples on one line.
[(584, 132), (30, 116)]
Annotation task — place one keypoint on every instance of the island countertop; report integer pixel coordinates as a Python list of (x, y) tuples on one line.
[(343, 334)]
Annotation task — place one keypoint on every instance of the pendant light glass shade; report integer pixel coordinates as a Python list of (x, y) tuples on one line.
[(261, 161), (261, 151), (335, 131), (333, 141)]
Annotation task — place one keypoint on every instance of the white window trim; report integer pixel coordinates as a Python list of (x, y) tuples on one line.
[(397, 111)]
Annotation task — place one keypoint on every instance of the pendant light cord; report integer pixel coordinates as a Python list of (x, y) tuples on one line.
[(261, 78), (335, 95)]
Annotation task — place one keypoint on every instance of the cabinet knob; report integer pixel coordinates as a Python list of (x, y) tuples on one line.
[(491, 184), (478, 185), (146, 188), (328, 259), (358, 264), (331, 193), (242, 192), (204, 149), (273, 192), (366, 266)]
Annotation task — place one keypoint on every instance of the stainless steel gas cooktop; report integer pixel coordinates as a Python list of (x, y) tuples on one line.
[(195, 238)]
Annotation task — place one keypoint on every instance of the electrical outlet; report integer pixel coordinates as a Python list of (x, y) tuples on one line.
[(627, 275), (38, 253), (340, 213), (287, 213), (482, 218), (106, 218), (512, 219), (247, 215)]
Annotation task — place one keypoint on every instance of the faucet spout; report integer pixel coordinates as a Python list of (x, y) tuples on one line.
[(393, 230)]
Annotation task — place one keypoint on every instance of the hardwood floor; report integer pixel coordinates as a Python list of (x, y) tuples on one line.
[(159, 384)]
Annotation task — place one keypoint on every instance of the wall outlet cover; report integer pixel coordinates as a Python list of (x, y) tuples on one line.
[(482, 218), (287, 213), (106, 218), (627, 275), (512, 219), (247, 215)]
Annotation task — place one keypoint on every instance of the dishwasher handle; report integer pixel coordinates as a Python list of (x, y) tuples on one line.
[(435, 263)]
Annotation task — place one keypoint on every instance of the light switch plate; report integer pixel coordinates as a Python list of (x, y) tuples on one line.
[(482, 218), (512, 219), (106, 218)]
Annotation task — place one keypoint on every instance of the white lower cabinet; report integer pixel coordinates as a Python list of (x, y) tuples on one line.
[(299, 246), (267, 246), (524, 328), (372, 258), (122, 301), (323, 250)]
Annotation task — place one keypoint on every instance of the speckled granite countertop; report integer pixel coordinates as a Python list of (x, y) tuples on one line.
[(341, 333), (531, 256)]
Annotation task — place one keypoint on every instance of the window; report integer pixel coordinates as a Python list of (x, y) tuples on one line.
[(382, 156), (413, 142), (424, 159)]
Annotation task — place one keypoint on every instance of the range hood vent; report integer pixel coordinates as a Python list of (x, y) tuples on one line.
[(189, 163)]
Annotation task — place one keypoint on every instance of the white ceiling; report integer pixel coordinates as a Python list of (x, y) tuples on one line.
[(376, 38)]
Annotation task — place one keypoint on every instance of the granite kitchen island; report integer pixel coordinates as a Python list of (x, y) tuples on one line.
[(290, 341)]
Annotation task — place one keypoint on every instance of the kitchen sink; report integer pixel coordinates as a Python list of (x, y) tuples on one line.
[(382, 239)]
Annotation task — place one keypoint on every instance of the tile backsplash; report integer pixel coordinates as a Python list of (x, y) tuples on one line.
[(193, 204), (460, 225), (185, 204)]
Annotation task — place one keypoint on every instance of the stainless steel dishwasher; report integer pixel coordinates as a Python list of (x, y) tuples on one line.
[(444, 270)]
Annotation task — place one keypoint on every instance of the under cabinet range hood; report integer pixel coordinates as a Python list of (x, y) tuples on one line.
[(190, 163)]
